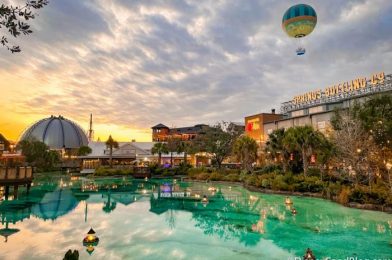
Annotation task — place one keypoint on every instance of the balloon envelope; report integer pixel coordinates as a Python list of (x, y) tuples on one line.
[(299, 20)]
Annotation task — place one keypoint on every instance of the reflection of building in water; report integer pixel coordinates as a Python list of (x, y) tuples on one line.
[(55, 204)]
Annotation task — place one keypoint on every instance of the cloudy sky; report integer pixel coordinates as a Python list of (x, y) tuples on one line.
[(136, 63)]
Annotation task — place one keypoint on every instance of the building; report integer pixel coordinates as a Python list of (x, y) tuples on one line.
[(128, 154), (317, 107), (161, 133), (57, 132), (254, 125)]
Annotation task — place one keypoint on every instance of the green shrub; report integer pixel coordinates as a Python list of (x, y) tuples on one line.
[(269, 169), (279, 184), (265, 183), (106, 171), (216, 176), (314, 172), (167, 172), (378, 195), (250, 180), (202, 176), (232, 177)]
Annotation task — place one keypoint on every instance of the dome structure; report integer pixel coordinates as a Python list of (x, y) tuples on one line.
[(57, 133)]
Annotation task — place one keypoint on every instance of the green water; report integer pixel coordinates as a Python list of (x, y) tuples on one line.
[(137, 220)]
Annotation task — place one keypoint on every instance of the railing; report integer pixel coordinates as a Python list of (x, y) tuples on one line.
[(9, 174)]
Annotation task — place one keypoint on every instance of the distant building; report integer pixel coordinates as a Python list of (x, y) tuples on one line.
[(254, 125), (127, 154), (57, 132), (161, 133)]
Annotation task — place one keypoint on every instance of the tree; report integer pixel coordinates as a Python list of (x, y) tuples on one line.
[(12, 18), (111, 143), (159, 148), (276, 148), (186, 148), (172, 146), (245, 148), (218, 141), (38, 155), (108, 205), (363, 137), (305, 139), (5, 142), (325, 154), (375, 116), (84, 150)]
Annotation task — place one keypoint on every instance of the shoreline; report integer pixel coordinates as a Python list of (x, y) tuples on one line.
[(372, 207)]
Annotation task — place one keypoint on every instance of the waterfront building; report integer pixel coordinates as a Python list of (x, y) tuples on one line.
[(128, 154)]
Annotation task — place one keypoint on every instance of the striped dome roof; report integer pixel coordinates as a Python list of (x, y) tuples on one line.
[(57, 133)]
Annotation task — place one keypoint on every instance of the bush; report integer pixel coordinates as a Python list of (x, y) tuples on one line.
[(344, 195), (168, 172), (279, 184), (314, 172), (378, 195), (268, 169), (250, 180), (232, 177), (216, 176), (106, 171), (202, 176)]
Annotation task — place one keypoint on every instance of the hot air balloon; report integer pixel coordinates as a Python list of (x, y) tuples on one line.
[(299, 21)]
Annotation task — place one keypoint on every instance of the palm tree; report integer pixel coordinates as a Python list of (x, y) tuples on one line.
[(172, 146), (276, 147), (245, 148), (159, 148), (111, 143), (184, 147), (109, 206), (304, 139)]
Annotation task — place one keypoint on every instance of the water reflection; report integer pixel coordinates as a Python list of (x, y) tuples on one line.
[(231, 214)]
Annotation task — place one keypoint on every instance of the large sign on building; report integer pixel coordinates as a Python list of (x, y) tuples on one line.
[(358, 87)]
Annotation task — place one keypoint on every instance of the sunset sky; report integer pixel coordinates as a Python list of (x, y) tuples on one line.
[(133, 64)]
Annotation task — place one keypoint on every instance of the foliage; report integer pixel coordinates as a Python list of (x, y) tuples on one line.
[(159, 148), (245, 148), (38, 155), (84, 150), (305, 140), (375, 116), (105, 171), (12, 18), (5, 142), (71, 255), (185, 147), (172, 146), (275, 148), (111, 143), (218, 141)]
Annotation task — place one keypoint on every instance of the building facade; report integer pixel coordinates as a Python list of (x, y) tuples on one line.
[(161, 133), (316, 108), (254, 124)]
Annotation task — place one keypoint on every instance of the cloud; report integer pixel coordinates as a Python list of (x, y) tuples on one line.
[(138, 63)]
